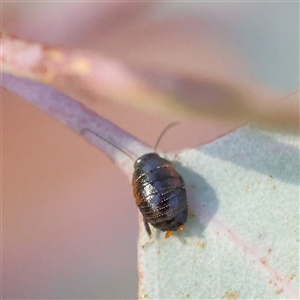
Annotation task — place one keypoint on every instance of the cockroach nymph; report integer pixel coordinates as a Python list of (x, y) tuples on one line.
[(158, 189)]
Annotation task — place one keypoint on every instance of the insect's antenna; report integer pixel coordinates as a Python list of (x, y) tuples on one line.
[(107, 141), (163, 132)]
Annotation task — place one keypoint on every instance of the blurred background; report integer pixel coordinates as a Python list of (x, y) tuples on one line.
[(69, 220)]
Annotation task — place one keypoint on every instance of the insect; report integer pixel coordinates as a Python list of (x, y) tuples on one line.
[(158, 189)]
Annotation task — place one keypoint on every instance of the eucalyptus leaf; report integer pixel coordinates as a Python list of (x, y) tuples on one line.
[(241, 240)]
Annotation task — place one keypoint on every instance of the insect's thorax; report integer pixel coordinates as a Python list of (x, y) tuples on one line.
[(153, 175)]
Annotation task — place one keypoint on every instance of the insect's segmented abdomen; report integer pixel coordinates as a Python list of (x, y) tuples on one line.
[(160, 195)]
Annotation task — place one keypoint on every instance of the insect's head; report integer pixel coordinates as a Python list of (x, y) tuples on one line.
[(149, 158)]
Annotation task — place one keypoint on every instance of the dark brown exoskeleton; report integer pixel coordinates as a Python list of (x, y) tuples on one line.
[(159, 191)]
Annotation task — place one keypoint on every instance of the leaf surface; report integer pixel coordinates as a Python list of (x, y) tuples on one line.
[(242, 234)]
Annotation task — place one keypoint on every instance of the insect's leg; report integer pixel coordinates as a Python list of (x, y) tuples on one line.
[(168, 234), (175, 157), (147, 227)]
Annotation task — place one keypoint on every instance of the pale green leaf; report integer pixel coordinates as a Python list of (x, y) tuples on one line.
[(241, 240)]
